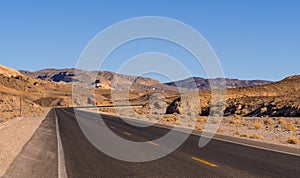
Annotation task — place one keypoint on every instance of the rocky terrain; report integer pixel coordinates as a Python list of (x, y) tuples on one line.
[(30, 95), (275, 99)]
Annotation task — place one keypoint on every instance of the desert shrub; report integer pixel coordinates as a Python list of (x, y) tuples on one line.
[(257, 136), (258, 125), (244, 135), (201, 120), (238, 117), (297, 122), (293, 140), (290, 127), (237, 132), (281, 121), (268, 121), (234, 121), (220, 130), (198, 127)]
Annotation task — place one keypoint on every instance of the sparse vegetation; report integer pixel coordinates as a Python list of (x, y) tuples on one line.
[(244, 135), (290, 127), (293, 140), (268, 121), (234, 121), (237, 132), (220, 130), (201, 120), (238, 117), (257, 136), (258, 125), (281, 120)]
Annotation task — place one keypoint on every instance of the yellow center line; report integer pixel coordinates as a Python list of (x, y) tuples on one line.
[(204, 162), (152, 143), (126, 133), (112, 127)]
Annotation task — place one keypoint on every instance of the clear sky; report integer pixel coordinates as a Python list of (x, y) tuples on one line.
[(254, 39)]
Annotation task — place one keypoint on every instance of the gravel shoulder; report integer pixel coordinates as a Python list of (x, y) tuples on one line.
[(14, 134)]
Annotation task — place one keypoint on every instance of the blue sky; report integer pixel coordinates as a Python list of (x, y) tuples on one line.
[(253, 39)]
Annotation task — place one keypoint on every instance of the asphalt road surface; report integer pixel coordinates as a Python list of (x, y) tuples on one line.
[(81, 159)]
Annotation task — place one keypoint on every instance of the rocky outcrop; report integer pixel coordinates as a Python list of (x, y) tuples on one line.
[(275, 99)]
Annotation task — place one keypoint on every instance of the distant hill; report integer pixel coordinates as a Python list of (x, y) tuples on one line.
[(104, 77), (203, 84), (139, 83)]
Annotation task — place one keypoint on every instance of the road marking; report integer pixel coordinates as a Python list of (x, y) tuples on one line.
[(204, 162), (112, 127), (126, 133), (62, 172), (152, 143)]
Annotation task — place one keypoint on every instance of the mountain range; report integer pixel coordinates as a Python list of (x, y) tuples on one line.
[(139, 83), (53, 88)]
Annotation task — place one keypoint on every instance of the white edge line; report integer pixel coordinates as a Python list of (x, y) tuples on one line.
[(228, 141), (62, 173)]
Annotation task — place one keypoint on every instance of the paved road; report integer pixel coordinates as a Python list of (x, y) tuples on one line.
[(217, 159)]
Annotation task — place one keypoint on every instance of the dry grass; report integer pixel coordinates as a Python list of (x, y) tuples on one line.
[(293, 140), (268, 121), (257, 136), (198, 127), (258, 125), (238, 117), (290, 127), (244, 135), (220, 130), (235, 121), (201, 120), (281, 121)]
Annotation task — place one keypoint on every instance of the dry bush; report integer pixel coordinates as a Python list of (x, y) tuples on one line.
[(293, 140), (237, 132), (257, 136), (258, 125), (290, 127), (238, 117), (201, 120), (220, 130), (268, 121), (281, 121), (244, 135), (234, 121), (297, 122), (198, 127)]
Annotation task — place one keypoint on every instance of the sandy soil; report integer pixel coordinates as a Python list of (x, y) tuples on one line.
[(14, 134)]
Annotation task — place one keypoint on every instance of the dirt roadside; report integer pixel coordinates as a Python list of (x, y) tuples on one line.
[(14, 134)]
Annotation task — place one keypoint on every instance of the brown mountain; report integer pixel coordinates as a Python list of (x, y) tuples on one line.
[(203, 84), (105, 79)]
